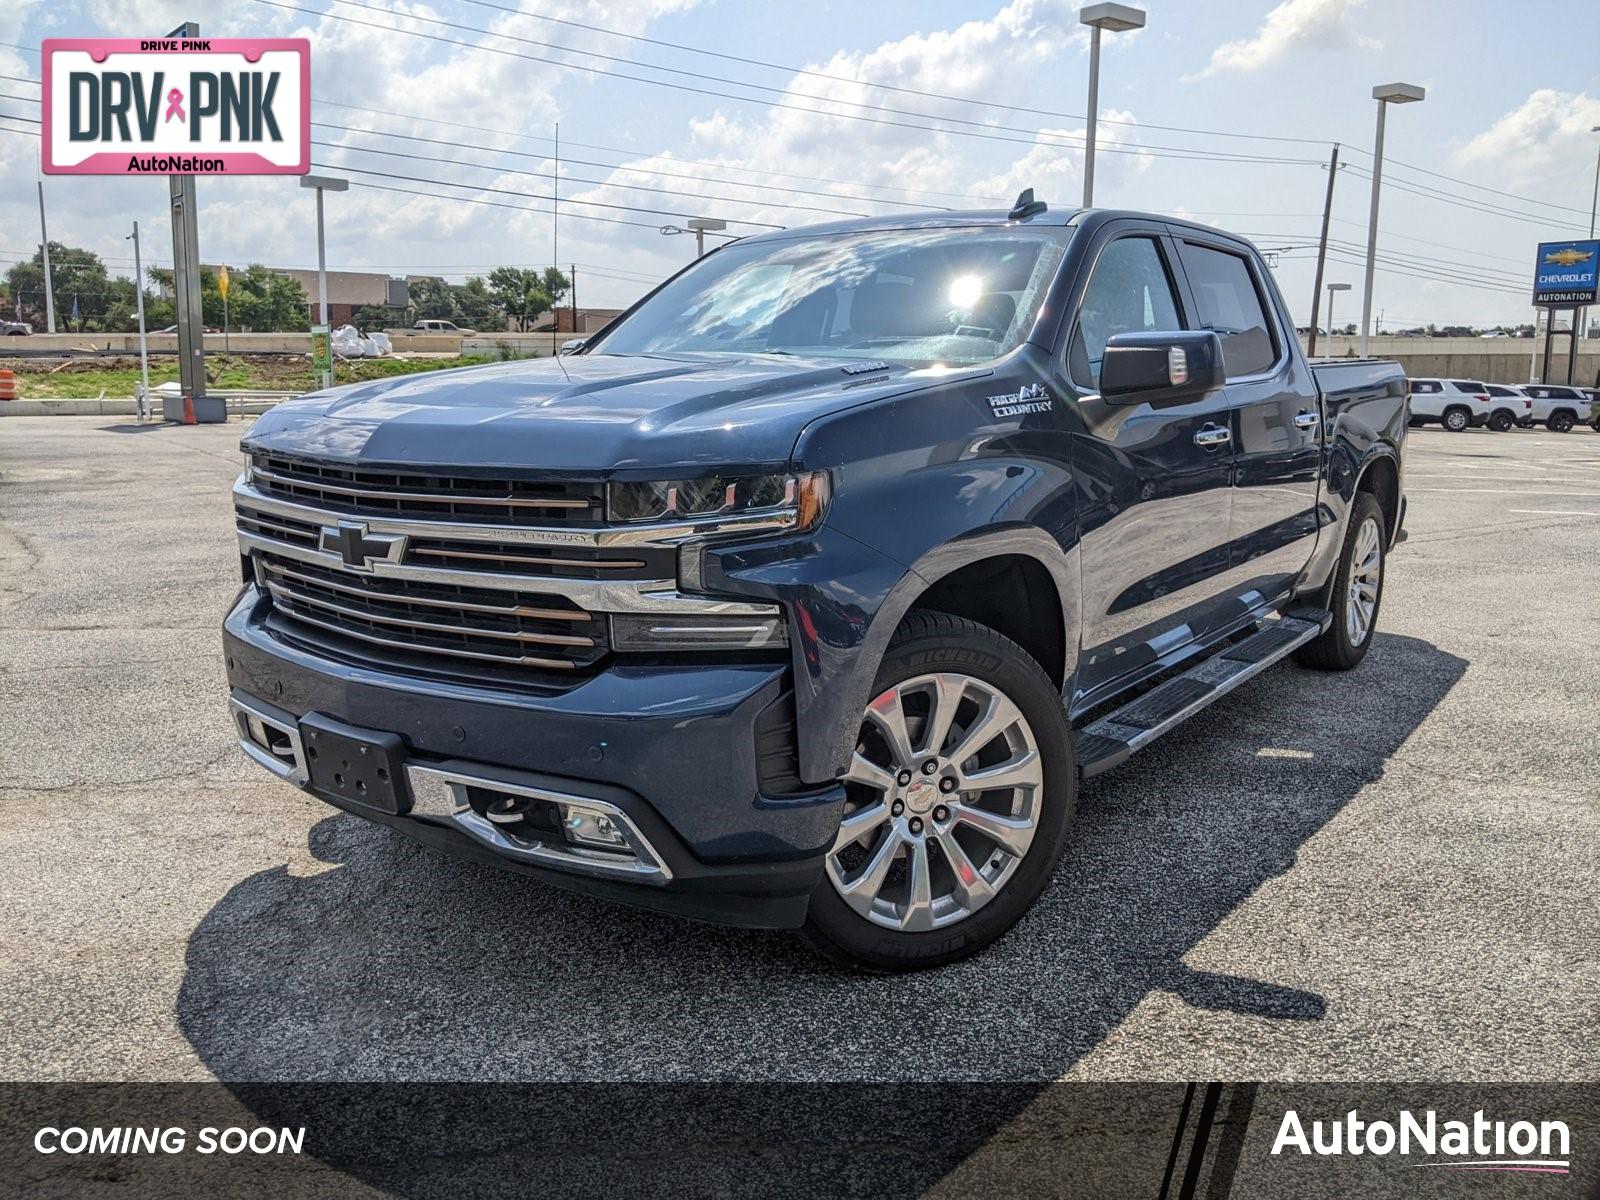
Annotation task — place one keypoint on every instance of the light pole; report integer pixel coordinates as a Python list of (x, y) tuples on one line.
[(144, 354), (323, 183), (1385, 94), (1332, 288), (1594, 202), (1116, 18), (44, 248), (699, 226)]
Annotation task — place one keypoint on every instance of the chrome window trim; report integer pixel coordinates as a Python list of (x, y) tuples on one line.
[(644, 533), (438, 795)]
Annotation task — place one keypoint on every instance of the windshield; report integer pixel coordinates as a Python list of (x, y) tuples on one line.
[(919, 296)]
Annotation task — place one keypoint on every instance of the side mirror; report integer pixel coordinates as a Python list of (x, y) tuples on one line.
[(574, 345), (1161, 368)]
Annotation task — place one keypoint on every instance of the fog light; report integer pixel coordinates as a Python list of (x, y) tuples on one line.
[(591, 827)]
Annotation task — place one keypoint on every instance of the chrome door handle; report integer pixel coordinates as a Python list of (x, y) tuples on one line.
[(1306, 420), (1212, 435)]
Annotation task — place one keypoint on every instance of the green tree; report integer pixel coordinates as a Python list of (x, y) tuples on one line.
[(519, 294), (74, 273)]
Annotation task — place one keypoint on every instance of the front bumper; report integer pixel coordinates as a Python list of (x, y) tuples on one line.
[(670, 749)]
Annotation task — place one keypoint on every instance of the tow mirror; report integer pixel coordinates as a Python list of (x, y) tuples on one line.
[(1161, 368)]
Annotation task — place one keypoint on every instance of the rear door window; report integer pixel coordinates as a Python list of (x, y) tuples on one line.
[(1230, 303)]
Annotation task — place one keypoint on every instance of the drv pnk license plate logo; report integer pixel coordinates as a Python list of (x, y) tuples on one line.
[(177, 106)]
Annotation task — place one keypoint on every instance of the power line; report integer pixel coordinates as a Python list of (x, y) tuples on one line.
[(634, 187), (793, 191), (1036, 138), (888, 87), (1394, 162)]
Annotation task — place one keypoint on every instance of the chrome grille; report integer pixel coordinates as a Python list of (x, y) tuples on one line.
[(463, 597), (363, 491), (505, 627)]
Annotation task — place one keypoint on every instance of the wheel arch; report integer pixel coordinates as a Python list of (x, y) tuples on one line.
[(1380, 478), (963, 560)]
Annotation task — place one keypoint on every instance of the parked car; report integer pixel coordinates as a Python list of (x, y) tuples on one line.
[(805, 594), (432, 325), (1507, 407), (16, 328), (1457, 404), (1593, 395), (1560, 408)]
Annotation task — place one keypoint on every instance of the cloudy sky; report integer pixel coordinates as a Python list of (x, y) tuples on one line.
[(781, 114)]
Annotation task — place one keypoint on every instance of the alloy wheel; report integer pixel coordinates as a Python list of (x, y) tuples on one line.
[(944, 794), (1366, 576)]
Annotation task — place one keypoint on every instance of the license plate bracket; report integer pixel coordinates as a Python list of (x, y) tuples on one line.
[(362, 766)]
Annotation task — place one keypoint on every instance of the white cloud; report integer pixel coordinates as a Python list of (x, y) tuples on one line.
[(1293, 24), (1544, 141)]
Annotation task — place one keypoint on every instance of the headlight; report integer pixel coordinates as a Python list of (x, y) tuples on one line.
[(804, 496)]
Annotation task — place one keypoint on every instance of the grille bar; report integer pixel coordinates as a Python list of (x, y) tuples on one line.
[(412, 597), (453, 497), (553, 664), (545, 639)]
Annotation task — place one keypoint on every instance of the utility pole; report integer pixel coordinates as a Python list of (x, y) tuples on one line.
[(191, 404), (144, 352), (1322, 252), (49, 290), (555, 234), (572, 294)]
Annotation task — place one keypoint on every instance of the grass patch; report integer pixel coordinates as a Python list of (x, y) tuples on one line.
[(88, 378)]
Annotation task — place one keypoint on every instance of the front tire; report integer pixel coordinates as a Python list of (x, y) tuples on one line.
[(959, 797), (1456, 420), (1501, 421), (1357, 592), (1560, 422)]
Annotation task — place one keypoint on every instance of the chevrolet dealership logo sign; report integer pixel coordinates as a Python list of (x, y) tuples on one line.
[(1567, 274), (177, 106)]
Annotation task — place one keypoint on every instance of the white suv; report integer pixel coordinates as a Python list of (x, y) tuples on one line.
[(1560, 408), (1454, 403), (1507, 407)]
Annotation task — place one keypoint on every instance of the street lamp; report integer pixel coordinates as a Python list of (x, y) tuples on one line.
[(323, 183), (1594, 202), (699, 226), (1332, 288), (1385, 94), (1117, 18)]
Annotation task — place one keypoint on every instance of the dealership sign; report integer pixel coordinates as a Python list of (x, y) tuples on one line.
[(1566, 273), (177, 106)]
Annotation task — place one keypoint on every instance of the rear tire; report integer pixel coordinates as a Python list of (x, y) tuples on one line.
[(1357, 592), (869, 912), (1456, 419), (1560, 422)]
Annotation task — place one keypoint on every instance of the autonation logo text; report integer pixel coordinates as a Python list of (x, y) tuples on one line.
[(1480, 1144)]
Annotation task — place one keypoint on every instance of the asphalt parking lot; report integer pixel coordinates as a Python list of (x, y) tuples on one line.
[(1390, 874)]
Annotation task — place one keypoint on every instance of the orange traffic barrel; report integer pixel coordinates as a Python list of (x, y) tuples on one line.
[(8, 385)]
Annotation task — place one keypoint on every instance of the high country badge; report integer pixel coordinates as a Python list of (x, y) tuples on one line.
[(1032, 398)]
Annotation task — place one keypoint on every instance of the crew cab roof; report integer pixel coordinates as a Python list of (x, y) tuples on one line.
[(1084, 217)]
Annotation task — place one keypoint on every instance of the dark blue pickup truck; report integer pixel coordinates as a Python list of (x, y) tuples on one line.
[(805, 594)]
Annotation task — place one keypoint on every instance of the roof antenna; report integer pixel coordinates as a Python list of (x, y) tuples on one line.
[(1026, 206)]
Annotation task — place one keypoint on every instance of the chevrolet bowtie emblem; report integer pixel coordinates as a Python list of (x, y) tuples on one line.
[(359, 549), (1566, 258)]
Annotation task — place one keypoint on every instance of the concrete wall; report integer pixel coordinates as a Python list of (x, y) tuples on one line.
[(1488, 360)]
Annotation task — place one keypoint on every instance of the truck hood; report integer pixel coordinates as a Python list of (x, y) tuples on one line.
[(602, 415)]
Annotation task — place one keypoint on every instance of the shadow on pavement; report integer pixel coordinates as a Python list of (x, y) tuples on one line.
[(398, 962)]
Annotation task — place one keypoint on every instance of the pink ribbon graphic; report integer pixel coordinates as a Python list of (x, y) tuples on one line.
[(175, 106)]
